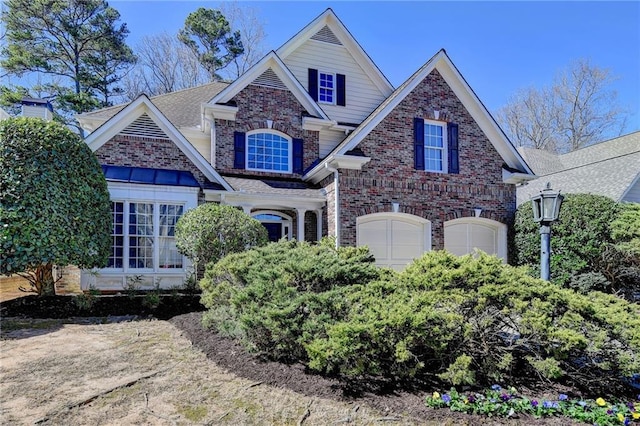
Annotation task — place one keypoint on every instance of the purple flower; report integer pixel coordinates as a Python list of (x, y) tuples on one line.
[(534, 403), (471, 398), (546, 404), (627, 422), (609, 412), (563, 397), (446, 398), (505, 397), (498, 388)]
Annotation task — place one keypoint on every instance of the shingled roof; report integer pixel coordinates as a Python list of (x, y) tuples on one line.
[(608, 168), (182, 108)]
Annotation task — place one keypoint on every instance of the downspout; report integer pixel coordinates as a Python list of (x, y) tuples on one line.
[(213, 141), (336, 186)]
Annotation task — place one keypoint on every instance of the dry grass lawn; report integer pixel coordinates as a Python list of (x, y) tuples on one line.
[(140, 372)]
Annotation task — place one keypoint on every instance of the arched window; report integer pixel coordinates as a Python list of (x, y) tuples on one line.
[(269, 151)]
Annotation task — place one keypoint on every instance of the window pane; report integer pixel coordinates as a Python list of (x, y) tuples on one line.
[(272, 152), (117, 235), (140, 235), (169, 256)]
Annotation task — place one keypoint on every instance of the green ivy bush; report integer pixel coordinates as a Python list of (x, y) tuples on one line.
[(276, 298)]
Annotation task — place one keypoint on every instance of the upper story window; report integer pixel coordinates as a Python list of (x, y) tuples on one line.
[(435, 147), (326, 87), (269, 152)]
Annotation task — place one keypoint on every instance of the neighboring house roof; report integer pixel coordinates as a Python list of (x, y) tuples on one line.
[(329, 19), (181, 108), (608, 168), (441, 62), (136, 109)]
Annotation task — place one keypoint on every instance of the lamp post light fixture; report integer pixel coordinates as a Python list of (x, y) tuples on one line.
[(546, 209)]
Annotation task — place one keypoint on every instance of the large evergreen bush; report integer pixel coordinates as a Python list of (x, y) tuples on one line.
[(580, 240), (54, 202), (466, 320)]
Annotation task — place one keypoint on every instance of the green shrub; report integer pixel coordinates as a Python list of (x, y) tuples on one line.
[(577, 238), (54, 202), (276, 297), (468, 318), (211, 231)]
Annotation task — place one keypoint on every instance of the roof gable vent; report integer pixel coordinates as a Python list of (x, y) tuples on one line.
[(269, 79), (327, 36), (145, 127)]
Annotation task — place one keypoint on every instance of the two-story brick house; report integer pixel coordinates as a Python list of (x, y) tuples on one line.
[(312, 140)]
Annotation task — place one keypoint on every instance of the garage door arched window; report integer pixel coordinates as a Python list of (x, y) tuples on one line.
[(466, 234)]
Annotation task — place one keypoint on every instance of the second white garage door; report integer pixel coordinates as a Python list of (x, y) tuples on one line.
[(464, 235), (395, 239)]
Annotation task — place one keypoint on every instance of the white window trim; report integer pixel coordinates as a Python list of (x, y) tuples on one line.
[(156, 195), (334, 91), (445, 146), (275, 132)]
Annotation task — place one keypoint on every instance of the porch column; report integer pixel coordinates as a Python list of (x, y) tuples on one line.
[(319, 223), (247, 209), (301, 213)]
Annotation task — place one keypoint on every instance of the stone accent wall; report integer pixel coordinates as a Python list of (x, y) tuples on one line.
[(256, 105), (135, 151), (438, 197)]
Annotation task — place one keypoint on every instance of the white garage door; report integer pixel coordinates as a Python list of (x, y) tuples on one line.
[(464, 235), (395, 239)]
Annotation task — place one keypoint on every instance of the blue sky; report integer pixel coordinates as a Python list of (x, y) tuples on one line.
[(499, 47)]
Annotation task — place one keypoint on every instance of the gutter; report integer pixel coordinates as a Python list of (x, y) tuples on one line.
[(336, 186)]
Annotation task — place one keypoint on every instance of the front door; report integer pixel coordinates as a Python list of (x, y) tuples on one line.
[(274, 230)]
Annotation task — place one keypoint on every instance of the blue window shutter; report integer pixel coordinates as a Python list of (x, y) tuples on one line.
[(452, 140), (238, 150), (341, 86), (313, 84), (418, 143), (298, 154)]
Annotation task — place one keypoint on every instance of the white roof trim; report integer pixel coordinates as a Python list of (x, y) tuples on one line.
[(328, 18), (271, 60), (265, 201), (445, 67), (134, 110)]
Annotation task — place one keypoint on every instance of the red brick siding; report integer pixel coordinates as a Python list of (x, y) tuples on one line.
[(256, 105), (134, 151), (438, 197)]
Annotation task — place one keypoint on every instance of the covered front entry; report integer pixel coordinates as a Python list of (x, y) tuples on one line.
[(278, 224), (395, 239), (464, 235)]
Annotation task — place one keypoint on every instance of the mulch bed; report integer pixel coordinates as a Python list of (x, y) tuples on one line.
[(229, 354)]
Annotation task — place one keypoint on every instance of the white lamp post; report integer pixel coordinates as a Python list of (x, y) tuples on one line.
[(546, 209)]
